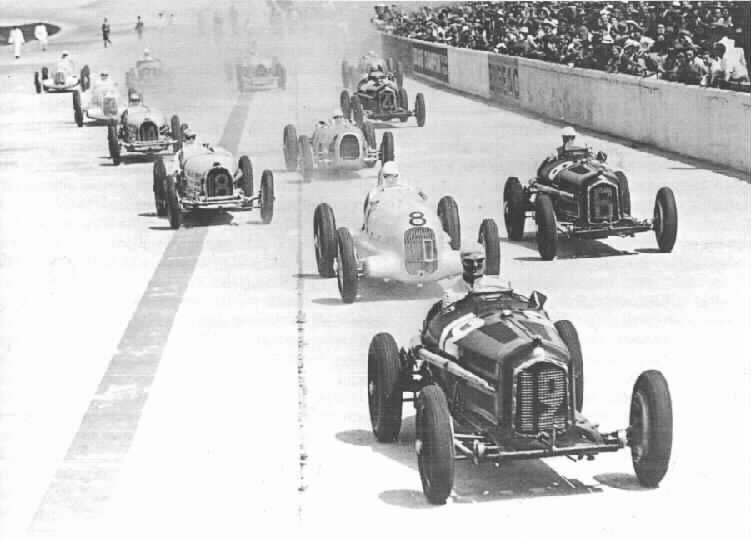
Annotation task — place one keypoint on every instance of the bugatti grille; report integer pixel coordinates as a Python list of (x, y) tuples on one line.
[(109, 106), (148, 132), (350, 147), (59, 77), (420, 252), (541, 398), (219, 184), (603, 203)]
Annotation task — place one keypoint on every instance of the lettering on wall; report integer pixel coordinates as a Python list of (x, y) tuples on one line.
[(503, 72), (430, 61)]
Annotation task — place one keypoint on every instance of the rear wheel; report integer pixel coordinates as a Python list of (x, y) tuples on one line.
[(665, 219), (357, 112), (290, 147), (77, 111), (267, 196), (174, 210), (307, 158), (420, 109), (246, 168), (514, 209), (37, 83), (547, 233), (434, 444), (387, 147), (324, 240), (113, 143), (346, 268), (650, 428), (448, 214), (570, 337), (384, 387), (177, 132), (488, 237), (344, 103), (160, 173)]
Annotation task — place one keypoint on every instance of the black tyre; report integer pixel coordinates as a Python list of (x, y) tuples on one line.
[(267, 196), (624, 193), (45, 73), (435, 444), (489, 238), (399, 74), (290, 147), (357, 112), (514, 209), (547, 233), (448, 213), (160, 174), (403, 100), (346, 271), (324, 240), (420, 109), (113, 143), (77, 111), (384, 388), (570, 337), (246, 168), (176, 131), (665, 219), (368, 131), (85, 78), (174, 211), (306, 148), (37, 83), (346, 106), (651, 428), (387, 147)]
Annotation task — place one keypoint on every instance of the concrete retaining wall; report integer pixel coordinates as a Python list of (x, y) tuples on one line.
[(708, 124)]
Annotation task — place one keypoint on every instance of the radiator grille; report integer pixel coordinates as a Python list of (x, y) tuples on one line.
[(350, 147), (541, 398), (420, 250), (148, 132), (219, 184), (388, 100), (603, 203), (59, 77)]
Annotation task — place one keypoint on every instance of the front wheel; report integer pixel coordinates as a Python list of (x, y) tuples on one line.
[(357, 112), (651, 428), (547, 232), (246, 168), (290, 147), (345, 104), (77, 110), (488, 237), (665, 219), (324, 240), (113, 143), (434, 444), (570, 337), (267, 196), (306, 149), (37, 83), (346, 271), (514, 209), (420, 109), (448, 214), (384, 388), (387, 147), (85, 78), (160, 173), (174, 210)]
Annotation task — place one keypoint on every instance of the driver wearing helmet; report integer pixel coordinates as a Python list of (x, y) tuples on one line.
[(147, 55), (337, 118), (473, 278), (65, 64), (569, 148), (134, 98), (388, 178)]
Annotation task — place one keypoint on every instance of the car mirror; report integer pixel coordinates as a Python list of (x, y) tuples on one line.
[(537, 300)]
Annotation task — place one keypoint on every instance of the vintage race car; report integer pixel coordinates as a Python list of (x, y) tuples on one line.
[(402, 238), (378, 97), (62, 80), (354, 72), (260, 74), (336, 145), (100, 103), (144, 130), (201, 177), (577, 195), (149, 72), (512, 380)]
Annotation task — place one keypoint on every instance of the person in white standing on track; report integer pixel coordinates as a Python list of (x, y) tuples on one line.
[(40, 32), (17, 40)]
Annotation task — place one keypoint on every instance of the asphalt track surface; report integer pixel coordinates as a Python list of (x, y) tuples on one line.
[(206, 383)]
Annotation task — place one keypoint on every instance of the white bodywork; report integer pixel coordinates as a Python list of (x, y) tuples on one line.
[(61, 79), (382, 247), (258, 74), (102, 102)]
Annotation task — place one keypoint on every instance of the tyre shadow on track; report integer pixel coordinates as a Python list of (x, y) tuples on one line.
[(574, 249), (472, 483), (376, 290), (193, 221)]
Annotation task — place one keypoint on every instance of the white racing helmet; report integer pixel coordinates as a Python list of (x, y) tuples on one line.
[(568, 131), (390, 174)]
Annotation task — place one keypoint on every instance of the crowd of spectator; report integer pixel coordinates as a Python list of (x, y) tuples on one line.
[(700, 43)]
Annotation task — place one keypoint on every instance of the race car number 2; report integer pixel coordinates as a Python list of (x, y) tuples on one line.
[(417, 219)]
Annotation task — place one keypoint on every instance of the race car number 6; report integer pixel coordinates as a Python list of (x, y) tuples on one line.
[(417, 219)]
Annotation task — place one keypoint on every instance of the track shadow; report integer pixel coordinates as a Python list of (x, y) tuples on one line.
[(194, 220), (129, 159), (627, 482), (572, 249), (376, 290), (472, 483)]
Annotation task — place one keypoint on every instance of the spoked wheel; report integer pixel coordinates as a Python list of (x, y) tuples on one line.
[(346, 268), (246, 168), (651, 428), (448, 214), (267, 196), (324, 240), (434, 444), (488, 237), (384, 387), (514, 209), (665, 219), (290, 147), (160, 173)]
